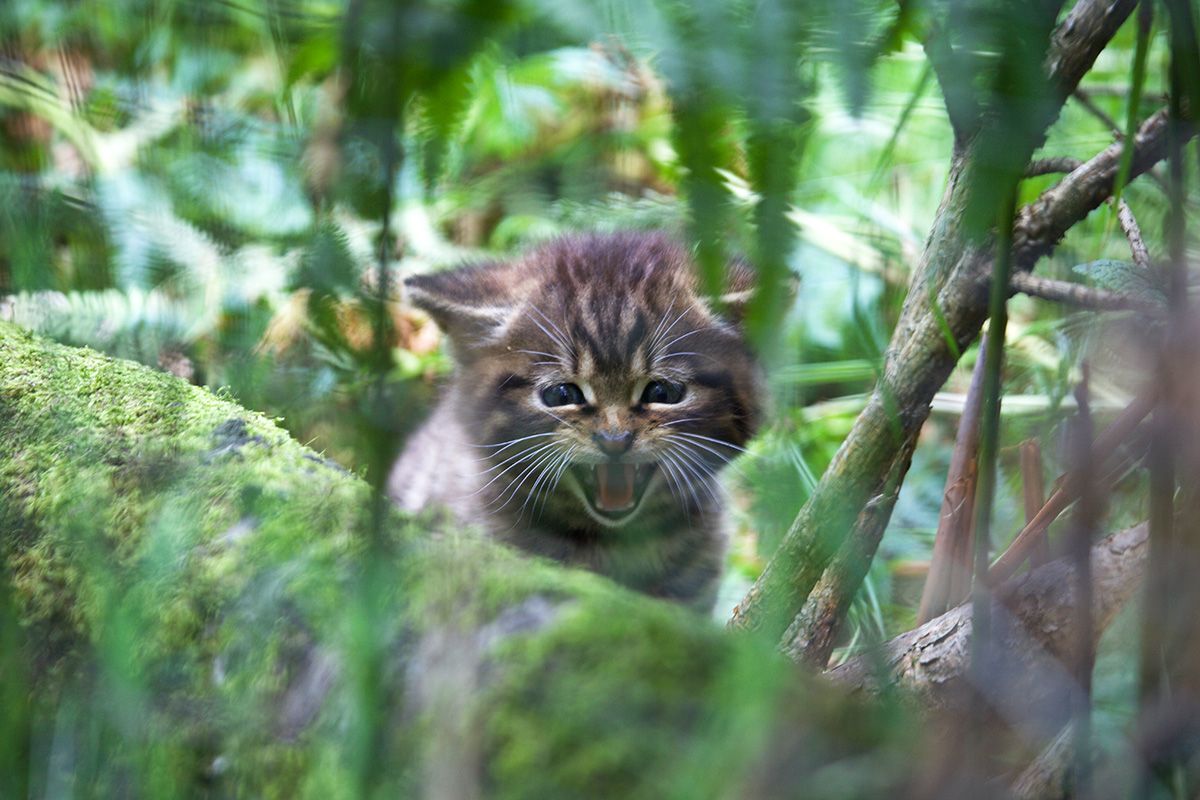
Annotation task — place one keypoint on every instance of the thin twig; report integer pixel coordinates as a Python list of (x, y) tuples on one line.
[(1076, 294), (950, 565), (1052, 165), (1067, 489), (1137, 246), (1033, 488), (1090, 106), (1122, 90)]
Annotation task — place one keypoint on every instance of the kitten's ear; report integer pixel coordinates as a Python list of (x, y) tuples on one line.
[(742, 280), (470, 304)]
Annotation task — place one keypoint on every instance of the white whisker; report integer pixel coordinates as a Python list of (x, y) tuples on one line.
[(513, 441), (554, 474), (681, 337), (682, 474), (701, 471), (681, 421), (522, 454), (674, 439), (720, 442), (676, 488), (657, 328), (511, 492), (657, 340), (561, 339)]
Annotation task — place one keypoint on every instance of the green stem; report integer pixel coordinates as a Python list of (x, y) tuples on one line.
[(989, 431), (1137, 84)]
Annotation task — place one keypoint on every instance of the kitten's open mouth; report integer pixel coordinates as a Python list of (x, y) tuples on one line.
[(613, 490)]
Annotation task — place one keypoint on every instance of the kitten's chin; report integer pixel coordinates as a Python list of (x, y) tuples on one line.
[(612, 493)]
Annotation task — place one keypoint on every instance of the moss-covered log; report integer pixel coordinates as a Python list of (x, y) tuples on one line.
[(188, 587)]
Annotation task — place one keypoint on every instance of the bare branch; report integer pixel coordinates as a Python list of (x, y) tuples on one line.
[(1096, 111), (1042, 223), (950, 567), (1076, 294), (1049, 166), (942, 315), (1067, 489), (1080, 38), (1137, 246), (1034, 494), (1036, 628)]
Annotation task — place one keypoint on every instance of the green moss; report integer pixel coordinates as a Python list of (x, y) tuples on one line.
[(180, 565)]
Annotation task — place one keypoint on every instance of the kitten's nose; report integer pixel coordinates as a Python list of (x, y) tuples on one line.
[(613, 443)]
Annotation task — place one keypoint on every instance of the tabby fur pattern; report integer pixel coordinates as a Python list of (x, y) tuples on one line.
[(596, 398)]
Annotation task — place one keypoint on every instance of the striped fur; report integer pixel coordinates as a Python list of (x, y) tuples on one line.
[(608, 313)]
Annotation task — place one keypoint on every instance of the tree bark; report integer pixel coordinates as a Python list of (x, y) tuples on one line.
[(1033, 619)]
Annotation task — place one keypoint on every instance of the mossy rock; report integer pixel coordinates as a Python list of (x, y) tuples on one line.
[(203, 606)]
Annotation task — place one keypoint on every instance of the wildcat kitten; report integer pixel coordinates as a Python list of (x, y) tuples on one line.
[(596, 398)]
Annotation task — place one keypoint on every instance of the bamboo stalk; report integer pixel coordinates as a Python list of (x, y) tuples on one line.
[(950, 562), (1034, 490), (1067, 489)]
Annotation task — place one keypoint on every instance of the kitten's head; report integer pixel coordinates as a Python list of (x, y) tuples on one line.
[(594, 378)]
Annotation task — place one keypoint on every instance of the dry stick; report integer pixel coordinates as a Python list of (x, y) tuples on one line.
[(1090, 106), (1033, 487), (931, 661), (1137, 246), (1067, 489), (1052, 165), (951, 562), (1076, 294)]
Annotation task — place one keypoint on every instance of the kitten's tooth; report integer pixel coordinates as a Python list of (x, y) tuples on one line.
[(601, 474), (614, 486)]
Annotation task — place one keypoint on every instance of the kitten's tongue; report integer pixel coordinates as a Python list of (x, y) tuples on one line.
[(614, 486)]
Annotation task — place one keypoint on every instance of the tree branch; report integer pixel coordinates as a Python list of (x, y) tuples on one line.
[(950, 568), (1067, 489), (1137, 245), (1043, 223), (945, 307), (1034, 625), (814, 632), (1076, 294)]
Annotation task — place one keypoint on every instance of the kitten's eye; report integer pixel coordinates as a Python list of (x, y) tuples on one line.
[(662, 392), (563, 394)]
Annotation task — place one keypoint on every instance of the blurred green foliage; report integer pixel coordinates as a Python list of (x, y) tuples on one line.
[(200, 187), (211, 188)]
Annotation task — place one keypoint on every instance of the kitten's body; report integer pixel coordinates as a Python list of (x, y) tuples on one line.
[(622, 479)]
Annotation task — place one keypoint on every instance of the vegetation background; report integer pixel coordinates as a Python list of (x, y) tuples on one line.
[(230, 192)]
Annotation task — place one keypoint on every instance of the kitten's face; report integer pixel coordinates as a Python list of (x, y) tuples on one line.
[(594, 381)]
